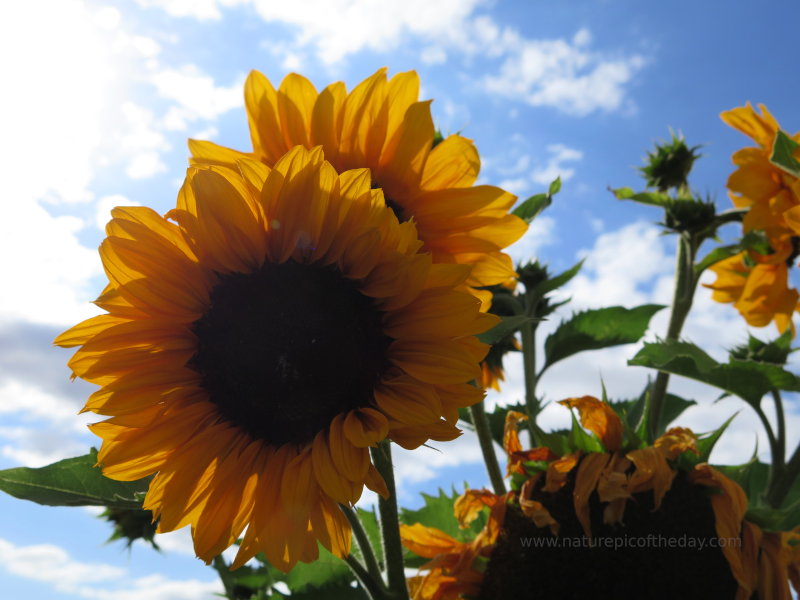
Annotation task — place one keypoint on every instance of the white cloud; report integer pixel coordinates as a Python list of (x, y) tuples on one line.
[(196, 95), (52, 564), (424, 464), (433, 55), (564, 75), (554, 167), (106, 204), (202, 10), (541, 232)]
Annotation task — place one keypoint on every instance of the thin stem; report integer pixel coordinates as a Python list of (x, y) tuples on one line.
[(780, 487), (685, 284), (773, 443), (364, 546), (781, 419), (225, 575), (481, 423), (374, 590), (529, 368), (390, 523)]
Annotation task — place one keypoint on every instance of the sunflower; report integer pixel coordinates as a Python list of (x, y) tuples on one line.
[(380, 125), (610, 523), (258, 340), (760, 290)]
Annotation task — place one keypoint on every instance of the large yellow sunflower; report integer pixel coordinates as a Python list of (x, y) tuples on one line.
[(259, 339), (380, 125)]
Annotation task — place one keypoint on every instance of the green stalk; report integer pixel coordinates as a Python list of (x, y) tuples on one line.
[(390, 523), (528, 331), (781, 485), (225, 575), (370, 562), (685, 284), (481, 423), (375, 590)]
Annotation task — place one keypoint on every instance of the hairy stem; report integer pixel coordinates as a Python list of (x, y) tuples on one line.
[(390, 523), (685, 284), (374, 589), (481, 423), (370, 562), (225, 575), (528, 331)]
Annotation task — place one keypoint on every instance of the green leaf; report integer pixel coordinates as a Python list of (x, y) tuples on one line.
[(749, 380), (555, 186), (532, 207), (327, 570), (438, 513), (650, 198), (507, 326), (369, 520), (782, 154), (72, 482), (595, 329), (553, 283)]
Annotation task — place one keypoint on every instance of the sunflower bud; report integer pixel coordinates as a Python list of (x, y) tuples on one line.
[(689, 215), (669, 164), (131, 525)]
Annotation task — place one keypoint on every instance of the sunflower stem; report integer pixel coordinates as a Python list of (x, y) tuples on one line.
[(481, 423), (390, 523), (368, 555), (779, 486), (375, 589), (685, 285), (527, 332), (225, 575)]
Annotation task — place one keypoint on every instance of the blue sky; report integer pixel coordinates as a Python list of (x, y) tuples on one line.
[(100, 98)]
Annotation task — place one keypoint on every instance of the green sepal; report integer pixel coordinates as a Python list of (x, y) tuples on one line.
[(579, 439), (532, 207), (555, 282), (783, 154), (73, 482), (705, 444)]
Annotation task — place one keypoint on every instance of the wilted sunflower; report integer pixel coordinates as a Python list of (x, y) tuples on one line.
[(456, 568), (611, 524), (757, 283), (258, 340), (380, 125)]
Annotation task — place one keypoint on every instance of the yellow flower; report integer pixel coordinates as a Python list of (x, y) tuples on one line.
[(759, 292), (380, 125), (259, 340)]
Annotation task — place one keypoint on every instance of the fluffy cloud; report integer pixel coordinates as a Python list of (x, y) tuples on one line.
[(96, 581), (564, 74)]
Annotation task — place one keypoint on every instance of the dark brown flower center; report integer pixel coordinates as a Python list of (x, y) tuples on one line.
[(285, 349), (670, 553)]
